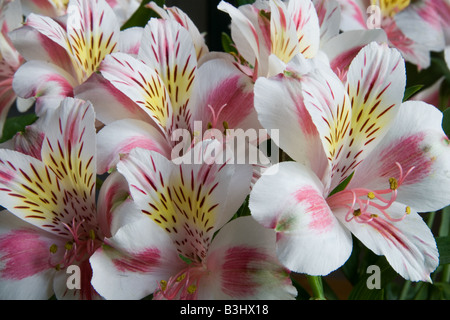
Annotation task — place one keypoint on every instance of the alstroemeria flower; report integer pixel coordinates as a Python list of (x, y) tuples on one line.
[(10, 60), (170, 249), (62, 56), (273, 27), (414, 29), (397, 153), (268, 34), (52, 221), (174, 13), (57, 8), (174, 92)]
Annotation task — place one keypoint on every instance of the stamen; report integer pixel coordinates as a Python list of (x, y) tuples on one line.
[(192, 288), (53, 248), (68, 245), (393, 183), (362, 209), (181, 278), (215, 116), (163, 285)]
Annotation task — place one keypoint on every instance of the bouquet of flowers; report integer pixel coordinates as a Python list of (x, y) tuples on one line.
[(141, 164)]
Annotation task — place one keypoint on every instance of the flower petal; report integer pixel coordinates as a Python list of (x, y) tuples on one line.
[(168, 48), (243, 33), (280, 106), (92, 33), (114, 193), (141, 84), (26, 271), (408, 245), (243, 265), (306, 22), (190, 201), (329, 107), (182, 18), (288, 199), (120, 137), (375, 85), (134, 261), (283, 32), (329, 17), (109, 103), (343, 48), (50, 84), (51, 192), (417, 141), (223, 93)]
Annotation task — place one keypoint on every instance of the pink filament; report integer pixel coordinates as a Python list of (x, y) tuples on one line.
[(177, 286), (365, 205), (215, 116), (83, 245)]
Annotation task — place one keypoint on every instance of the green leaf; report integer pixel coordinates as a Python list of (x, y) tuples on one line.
[(361, 290), (187, 260), (351, 266), (142, 15), (444, 227), (302, 294), (442, 290), (243, 2), (409, 92), (227, 44), (446, 122), (244, 209), (16, 124), (342, 185), (443, 245)]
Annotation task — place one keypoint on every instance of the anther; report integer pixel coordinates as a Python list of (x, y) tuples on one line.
[(371, 195), (181, 278), (357, 212), (92, 234), (68, 245), (393, 183), (192, 288), (53, 248), (225, 125), (163, 284), (408, 210)]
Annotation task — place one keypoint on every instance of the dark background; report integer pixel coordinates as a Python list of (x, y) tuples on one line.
[(207, 18)]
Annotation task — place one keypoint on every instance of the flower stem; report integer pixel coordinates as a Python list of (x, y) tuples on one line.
[(315, 282)]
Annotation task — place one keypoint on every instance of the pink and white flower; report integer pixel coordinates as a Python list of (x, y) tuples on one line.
[(58, 8), (414, 29), (62, 56), (268, 34), (167, 246), (10, 60), (395, 154), (52, 220), (167, 84)]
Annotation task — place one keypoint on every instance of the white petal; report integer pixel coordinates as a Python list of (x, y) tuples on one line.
[(408, 245), (415, 140), (288, 198), (25, 271), (120, 137), (134, 261), (243, 265)]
